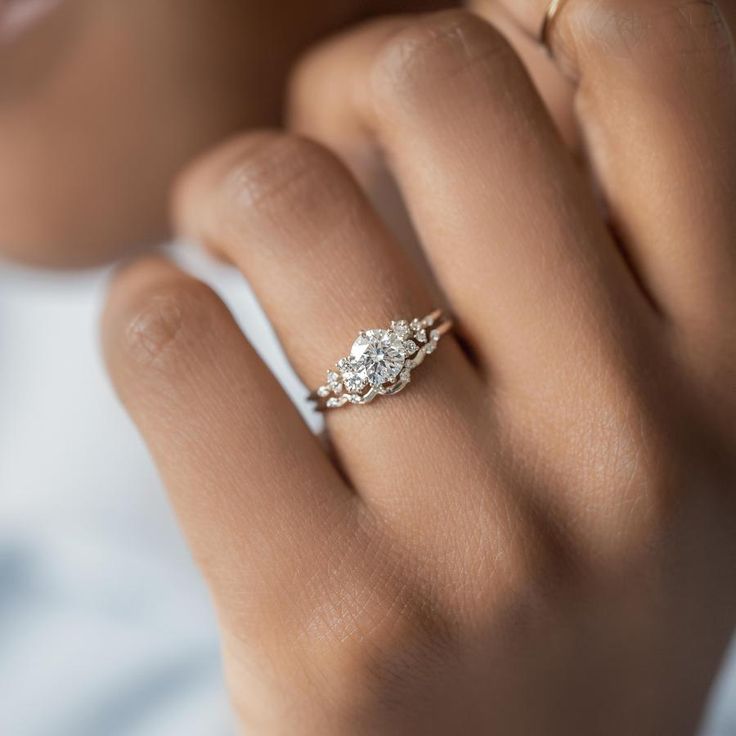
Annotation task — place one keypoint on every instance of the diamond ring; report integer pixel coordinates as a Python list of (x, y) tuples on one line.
[(381, 361)]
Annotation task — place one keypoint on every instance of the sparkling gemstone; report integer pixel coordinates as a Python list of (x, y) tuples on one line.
[(334, 382), (410, 347), (421, 335), (354, 376), (379, 355), (401, 328)]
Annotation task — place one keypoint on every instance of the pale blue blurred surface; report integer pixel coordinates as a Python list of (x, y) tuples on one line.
[(721, 717), (105, 627)]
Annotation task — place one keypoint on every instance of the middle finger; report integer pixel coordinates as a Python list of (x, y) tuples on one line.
[(504, 214)]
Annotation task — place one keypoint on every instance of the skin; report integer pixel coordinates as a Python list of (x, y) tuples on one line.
[(102, 102), (537, 536)]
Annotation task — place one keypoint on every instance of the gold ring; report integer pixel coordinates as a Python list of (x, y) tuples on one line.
[(553, 10)]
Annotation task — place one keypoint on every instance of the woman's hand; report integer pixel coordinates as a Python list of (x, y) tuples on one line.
[(538, 536)]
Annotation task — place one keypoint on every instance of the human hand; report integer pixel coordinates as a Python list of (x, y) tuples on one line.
[(537, 535)]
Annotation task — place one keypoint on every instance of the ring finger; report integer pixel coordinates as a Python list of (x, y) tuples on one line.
[(294, 221)]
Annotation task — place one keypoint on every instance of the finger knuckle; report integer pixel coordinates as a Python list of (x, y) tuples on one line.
[(369, 628), (272, 177), (638, 453), (632, 29), (389, 650), (165, 323), (443, 49)]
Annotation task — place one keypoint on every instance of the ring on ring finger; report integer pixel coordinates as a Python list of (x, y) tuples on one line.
[(381, 361)]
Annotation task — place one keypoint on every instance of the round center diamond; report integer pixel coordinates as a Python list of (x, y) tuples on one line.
[(380, 354)]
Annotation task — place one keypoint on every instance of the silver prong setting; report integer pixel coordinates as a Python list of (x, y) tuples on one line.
[(381, 362)]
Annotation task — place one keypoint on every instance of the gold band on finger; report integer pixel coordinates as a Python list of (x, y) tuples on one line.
[(550, 16)]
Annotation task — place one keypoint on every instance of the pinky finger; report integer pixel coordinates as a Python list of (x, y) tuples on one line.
[(248, 480)]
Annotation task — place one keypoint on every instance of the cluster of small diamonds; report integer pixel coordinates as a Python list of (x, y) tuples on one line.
[(417, 331), (346, 381)]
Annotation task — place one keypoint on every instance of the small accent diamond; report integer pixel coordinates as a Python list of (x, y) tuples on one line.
[(334, 382), (421, 335), (411, 347), (355, 381), (401, 328)]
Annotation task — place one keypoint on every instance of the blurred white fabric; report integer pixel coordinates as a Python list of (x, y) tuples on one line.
[(105, 626)]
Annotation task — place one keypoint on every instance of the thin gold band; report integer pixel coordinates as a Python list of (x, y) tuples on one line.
[(549, 18)]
